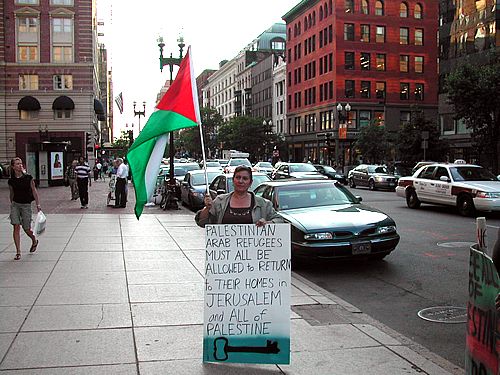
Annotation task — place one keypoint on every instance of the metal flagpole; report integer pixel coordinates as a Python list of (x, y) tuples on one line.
[(204, 157)]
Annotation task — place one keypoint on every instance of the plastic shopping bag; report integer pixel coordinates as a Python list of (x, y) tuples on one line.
[(40, 222)]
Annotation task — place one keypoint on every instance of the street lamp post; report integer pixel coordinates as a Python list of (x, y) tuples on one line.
[(268, 128), (171, 62), (341, 118), (140, 113)]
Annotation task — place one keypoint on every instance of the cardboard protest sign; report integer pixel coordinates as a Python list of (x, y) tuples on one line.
[(481, 353), (247, 294)]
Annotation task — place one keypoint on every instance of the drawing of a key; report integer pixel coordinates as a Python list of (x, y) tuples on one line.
[(222, 347)]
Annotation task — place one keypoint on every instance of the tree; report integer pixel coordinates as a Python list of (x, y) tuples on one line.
[(373, 144), (250, 135), (123, 142), (474, 93), (409, 140)]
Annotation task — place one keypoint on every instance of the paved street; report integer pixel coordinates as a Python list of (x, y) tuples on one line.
[(106, 293)]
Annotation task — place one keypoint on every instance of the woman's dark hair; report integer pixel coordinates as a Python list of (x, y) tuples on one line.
[(243, 168)]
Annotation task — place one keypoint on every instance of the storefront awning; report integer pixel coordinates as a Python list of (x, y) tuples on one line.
[(63, 102), (98, 108), (28, 103)]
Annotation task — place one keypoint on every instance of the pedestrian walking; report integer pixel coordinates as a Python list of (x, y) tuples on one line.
[(22, 193), (121, 183), (70, 176), (83, 181)]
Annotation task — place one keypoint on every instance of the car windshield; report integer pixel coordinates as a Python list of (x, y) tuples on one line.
[(237, 162), (213, 164), (377, 169), (327, 168), (303, 196), (199, 178), (264, 165), (257, 180), (223, 162), (302, 168), (471, 174), (191, 167)]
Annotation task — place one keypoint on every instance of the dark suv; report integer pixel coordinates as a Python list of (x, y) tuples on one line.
[(373, 176)]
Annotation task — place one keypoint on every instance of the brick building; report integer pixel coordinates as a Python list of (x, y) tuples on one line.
[(49, 84), (380, 57)]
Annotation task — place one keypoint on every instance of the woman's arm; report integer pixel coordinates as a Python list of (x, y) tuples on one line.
[(35, 195), (202, 217), (11, 194)]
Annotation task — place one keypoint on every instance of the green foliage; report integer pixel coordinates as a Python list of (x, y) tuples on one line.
[(250, 135), (373, 144), (474, 92), (409, 140), (123, 142)]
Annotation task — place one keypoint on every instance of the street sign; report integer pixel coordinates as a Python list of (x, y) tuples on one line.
[(276, 153), (425, 144), (425, 135)]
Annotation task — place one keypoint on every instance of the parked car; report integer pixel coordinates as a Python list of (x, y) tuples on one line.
[(421, 164), (223, 162), (214, 165), (468, 187), (180, 170), (264, 167), (328, 222), (223, 183), (331, 173), (233, 163), (373, 176), (193, 187), (297, 170)]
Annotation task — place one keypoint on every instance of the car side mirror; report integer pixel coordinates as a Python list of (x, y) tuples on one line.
[(444, 178), (184, 183), (359, 198), (220, 191)]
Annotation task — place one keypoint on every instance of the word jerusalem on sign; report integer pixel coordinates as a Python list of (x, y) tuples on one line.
[(247, 294)]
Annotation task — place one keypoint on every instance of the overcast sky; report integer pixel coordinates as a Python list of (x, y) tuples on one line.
[(216, 30)]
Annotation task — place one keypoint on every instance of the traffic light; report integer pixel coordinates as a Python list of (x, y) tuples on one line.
[(89, 141), (130, 137)]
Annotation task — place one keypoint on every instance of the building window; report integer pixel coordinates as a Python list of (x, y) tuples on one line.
[(62, 54), (380, 90), (365, 9), (365, 33), (380, 34), (419, 64), (28, 82), (419, 91), (61, 2), (404, 34), (364, 118), (380, 61), (63, 82), (349, 88), (365, 61), (403, 10), (27, 24), (349, 6), (417, 12), (404, 91), (351, 119), (379, 8), (419, 37), (365, 89), (404, 118), (403, 63), (349, 31), (62, 25), (27, 53), (349, 61), (62, 114), (28, 115), (27, 2)]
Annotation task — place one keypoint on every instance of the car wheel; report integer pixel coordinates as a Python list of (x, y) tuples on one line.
[(412, 200), (465, 205), (371, 185), (351, 183)]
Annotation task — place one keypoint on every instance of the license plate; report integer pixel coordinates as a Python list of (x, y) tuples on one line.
[(361, 248)]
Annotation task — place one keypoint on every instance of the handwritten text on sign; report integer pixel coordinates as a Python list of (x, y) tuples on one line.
[(247, 293)]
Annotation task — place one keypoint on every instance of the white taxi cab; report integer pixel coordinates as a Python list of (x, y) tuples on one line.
[(468, 187)]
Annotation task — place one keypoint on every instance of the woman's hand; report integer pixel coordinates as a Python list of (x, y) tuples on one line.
[(261, 222), (208, 201), (38, 208)]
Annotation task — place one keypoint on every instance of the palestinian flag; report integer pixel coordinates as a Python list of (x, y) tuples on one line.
[(177, 109)]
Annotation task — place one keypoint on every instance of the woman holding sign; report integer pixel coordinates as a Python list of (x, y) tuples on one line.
[(238, 207)]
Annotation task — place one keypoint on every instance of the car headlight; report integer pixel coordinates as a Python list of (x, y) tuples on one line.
[(483, 194), (386, 229), (379, 179), (338, 176), (318, 236)]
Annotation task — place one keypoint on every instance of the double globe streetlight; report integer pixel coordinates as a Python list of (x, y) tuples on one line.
[(341, 118), (140, 113)]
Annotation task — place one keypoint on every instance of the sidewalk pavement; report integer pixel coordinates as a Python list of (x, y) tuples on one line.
[(107, 294)]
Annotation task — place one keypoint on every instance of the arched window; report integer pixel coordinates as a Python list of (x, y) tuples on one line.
[(326, 9), (306, 25), (295, 30), (309, 19), (314, 17), (299, 31), (365, 7), (403, 10), (330, 7), (418, 11), (320, 12), (349, 6), (289, 33), (379, 8)]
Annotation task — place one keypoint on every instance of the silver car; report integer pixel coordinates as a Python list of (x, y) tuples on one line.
[(373, 176)]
